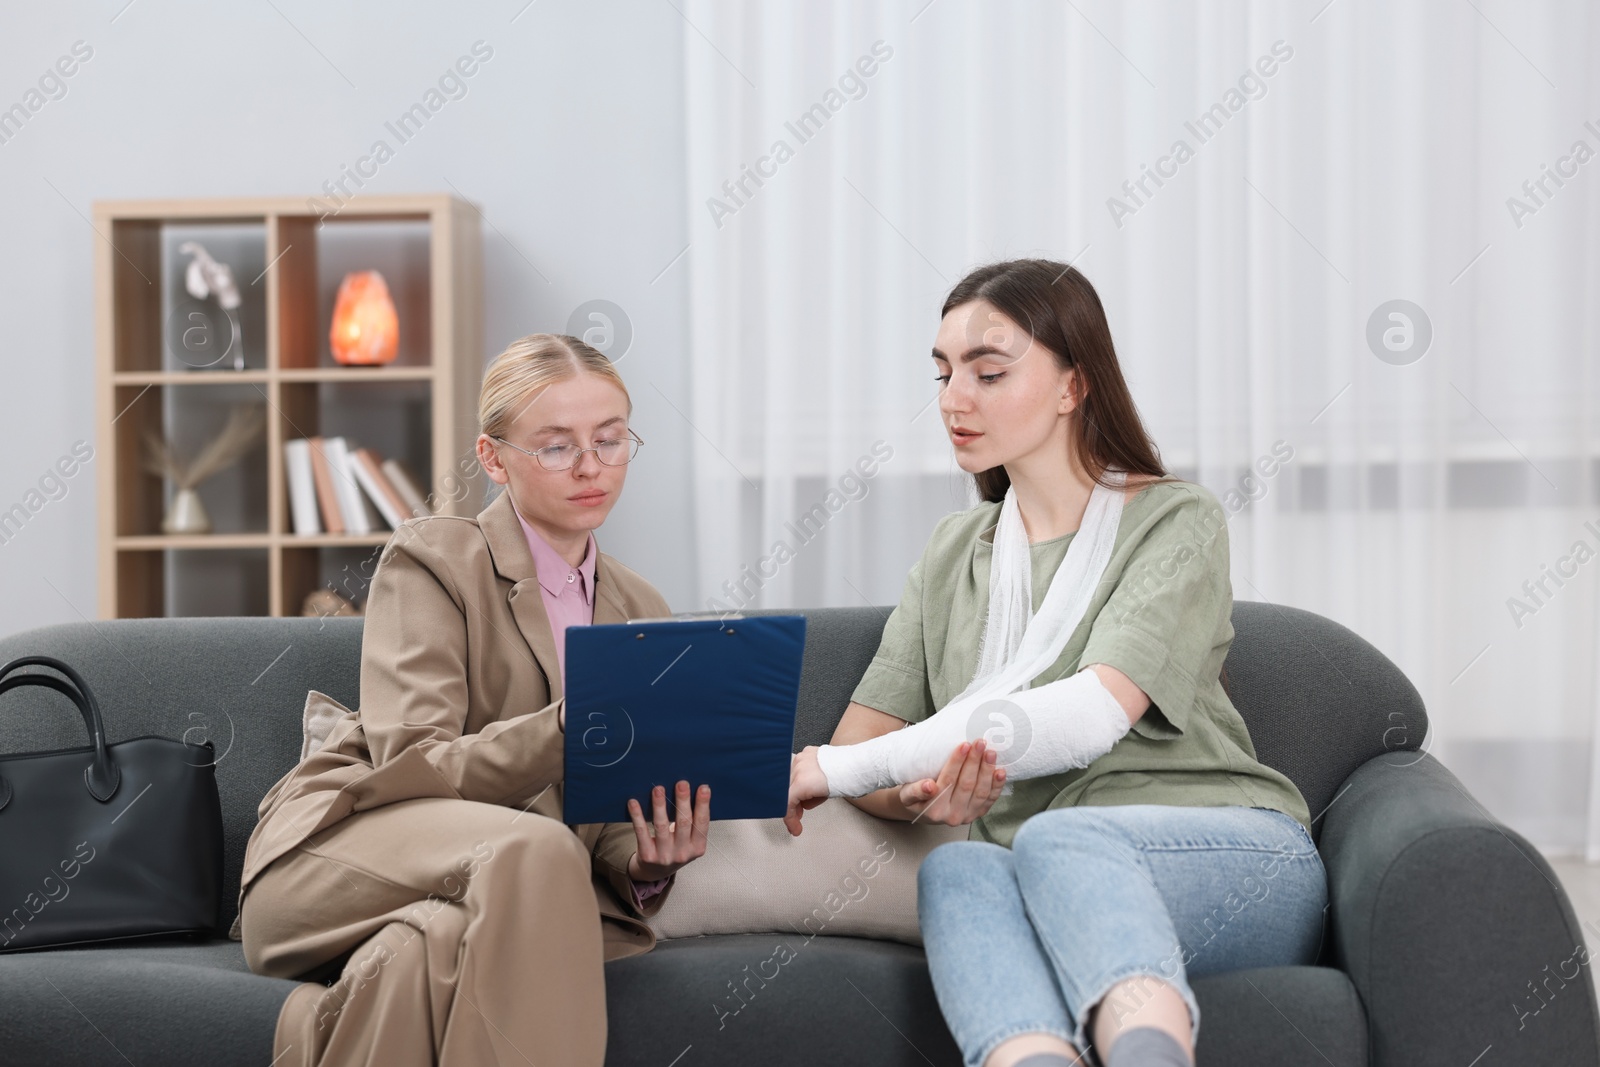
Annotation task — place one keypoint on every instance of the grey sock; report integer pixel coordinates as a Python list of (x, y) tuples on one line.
[(1145, 1046), (1045, 1059)]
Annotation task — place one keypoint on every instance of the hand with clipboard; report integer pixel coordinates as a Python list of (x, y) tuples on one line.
[(707, 701)]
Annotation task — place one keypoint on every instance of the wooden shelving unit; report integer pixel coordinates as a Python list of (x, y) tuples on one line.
[(287, 264)]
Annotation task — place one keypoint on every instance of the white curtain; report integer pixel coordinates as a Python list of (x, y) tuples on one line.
[(1336, 157)]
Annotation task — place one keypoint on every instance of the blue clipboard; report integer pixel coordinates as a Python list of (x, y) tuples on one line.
[(708, 700)]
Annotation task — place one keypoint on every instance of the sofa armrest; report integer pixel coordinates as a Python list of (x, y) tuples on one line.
[(1453, 928)]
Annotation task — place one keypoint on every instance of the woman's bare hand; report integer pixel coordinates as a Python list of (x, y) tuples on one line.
[(673, 844), (965, 790), (808, 787)]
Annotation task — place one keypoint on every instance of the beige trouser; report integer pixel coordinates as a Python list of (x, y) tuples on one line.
[(475, 934)]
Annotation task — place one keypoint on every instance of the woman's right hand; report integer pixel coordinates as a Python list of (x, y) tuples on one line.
[(664, 847), (967, 787)]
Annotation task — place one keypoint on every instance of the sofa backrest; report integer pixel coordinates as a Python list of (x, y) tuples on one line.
[(1319, 701)]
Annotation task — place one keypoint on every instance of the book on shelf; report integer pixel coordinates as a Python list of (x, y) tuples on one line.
[(342, 489), (365, 465), (359, 516), (302, 486), (322, 475), (406, 486)]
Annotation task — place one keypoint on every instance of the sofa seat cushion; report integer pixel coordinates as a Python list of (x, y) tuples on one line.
[(175, 1003), (744, 998), (772, 999), (775, 999)]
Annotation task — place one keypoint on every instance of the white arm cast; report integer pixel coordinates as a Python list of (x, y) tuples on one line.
[(1045, 730)]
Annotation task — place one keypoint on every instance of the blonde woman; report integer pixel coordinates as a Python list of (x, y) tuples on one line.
[(417, 858)]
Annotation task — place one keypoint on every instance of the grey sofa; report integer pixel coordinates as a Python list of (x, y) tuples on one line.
[(1440, 917)]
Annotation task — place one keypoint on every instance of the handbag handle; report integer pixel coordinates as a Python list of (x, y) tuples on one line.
[(102, 776)]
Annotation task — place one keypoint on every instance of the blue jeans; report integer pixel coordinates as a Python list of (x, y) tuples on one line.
[(1028, 939)]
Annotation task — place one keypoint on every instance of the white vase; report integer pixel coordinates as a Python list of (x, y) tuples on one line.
[(187, 515)]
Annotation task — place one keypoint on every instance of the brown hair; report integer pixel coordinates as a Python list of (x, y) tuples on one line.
[(1060, 311), (528, 366)]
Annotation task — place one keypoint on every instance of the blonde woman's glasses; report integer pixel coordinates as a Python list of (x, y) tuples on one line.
[(613, 452)]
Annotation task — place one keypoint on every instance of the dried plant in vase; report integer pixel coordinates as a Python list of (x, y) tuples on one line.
[(187, 515)]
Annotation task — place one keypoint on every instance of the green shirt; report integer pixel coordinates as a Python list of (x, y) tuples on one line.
[(1162, 615)]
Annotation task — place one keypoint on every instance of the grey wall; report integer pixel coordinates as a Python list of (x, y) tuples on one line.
[(569, 138)]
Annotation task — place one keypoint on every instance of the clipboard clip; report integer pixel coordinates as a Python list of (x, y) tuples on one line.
[(720, 617)]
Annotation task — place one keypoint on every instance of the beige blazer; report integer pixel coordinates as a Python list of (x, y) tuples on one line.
[(460, 689)]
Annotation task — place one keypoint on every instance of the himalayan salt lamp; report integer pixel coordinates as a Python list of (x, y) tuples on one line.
[(365, 331)]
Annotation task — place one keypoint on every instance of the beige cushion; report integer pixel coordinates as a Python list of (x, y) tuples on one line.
[(848, 873), (321, 712)]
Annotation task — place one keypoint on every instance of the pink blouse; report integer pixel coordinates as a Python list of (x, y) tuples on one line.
[(568, 594)]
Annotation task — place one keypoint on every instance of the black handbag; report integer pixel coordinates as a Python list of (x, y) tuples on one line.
[(105, 842)]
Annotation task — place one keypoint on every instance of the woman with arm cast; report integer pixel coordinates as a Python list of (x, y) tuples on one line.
[(1057, 654)]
